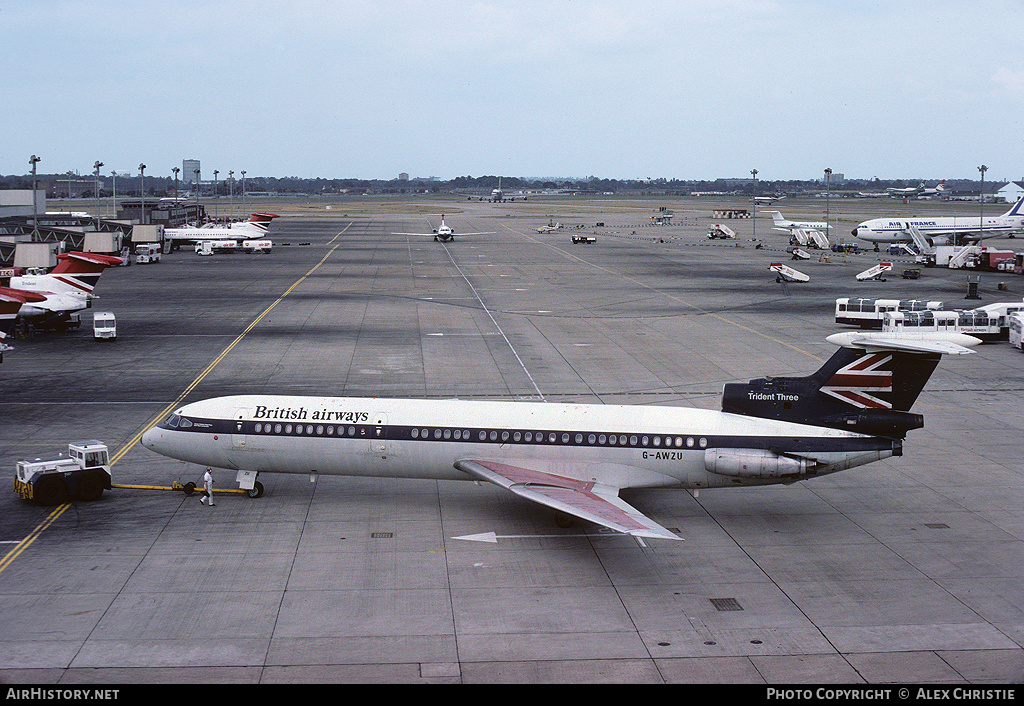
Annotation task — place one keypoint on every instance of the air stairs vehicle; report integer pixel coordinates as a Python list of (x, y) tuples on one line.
[(785, 273), (810, 238), (719, 231), (965, 256), (876, 273)]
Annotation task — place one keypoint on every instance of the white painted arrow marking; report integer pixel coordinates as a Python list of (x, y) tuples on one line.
[(493, 538)]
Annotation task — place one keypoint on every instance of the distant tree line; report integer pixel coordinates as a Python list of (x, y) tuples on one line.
[(164, 186)]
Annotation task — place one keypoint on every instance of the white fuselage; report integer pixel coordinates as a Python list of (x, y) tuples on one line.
[(787, 224), (619, 446), (940, 229), (241, 229), (64, 293)]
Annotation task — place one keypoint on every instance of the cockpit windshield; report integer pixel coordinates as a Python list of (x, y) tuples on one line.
[(176, 421)]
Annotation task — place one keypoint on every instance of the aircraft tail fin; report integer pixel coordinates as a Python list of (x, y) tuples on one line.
[(869, 389), (777, 217), (81, 271), (262, 220), (1017, 209), (83, 262)]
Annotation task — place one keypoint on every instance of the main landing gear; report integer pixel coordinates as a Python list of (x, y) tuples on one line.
[(247, 484)]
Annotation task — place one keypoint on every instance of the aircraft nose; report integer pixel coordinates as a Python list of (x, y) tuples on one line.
[(151, 437), (854, 232)]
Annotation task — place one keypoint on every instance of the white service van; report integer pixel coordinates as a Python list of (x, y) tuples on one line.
[(104, 326), (146, 253)]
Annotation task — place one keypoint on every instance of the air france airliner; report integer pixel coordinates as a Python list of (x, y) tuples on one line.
[(940, 229), (575, 458)]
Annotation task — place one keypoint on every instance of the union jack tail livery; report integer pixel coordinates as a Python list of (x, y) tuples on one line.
[(261, 220), (80, 271), (867, 390)]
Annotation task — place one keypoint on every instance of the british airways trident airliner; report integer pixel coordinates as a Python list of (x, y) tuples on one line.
[(575, 458)]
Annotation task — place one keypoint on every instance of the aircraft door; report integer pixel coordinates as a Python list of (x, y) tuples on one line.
[(238, 433), (378, 433)]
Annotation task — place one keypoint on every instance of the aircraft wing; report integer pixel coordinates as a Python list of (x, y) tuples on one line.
[(593, 502)]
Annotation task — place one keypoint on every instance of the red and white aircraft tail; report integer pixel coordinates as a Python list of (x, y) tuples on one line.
[(260, 220), (65, 289)]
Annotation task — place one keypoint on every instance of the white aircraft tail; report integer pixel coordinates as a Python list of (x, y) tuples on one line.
[(777, 217), (1016, 210)]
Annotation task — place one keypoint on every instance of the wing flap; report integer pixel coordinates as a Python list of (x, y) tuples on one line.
[(593, 502)]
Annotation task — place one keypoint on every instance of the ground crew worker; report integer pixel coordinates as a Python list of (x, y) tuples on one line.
[(208, 487)]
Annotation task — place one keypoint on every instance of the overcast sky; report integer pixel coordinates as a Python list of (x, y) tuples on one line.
[(615, 89)]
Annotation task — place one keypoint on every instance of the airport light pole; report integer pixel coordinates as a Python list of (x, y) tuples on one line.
[(35, 224), (243, 193), (196, 173), (142, 192), (175, 170), (215, 173), (828, 179), (35, 221), (981, 199), (97, 166), (753, 173), (231, 194)]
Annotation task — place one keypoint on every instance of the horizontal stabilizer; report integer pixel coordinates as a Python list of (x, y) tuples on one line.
[(589, 501), (941, 342)]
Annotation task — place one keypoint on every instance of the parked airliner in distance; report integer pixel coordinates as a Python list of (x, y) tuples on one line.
[(940, 229), (787, 225), (255, 227), (919, 191), (575, 458), (444, 232)]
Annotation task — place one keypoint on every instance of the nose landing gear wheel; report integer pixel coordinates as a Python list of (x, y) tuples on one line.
[(256, 491)]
